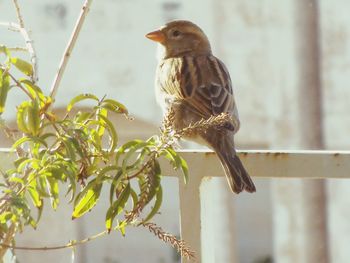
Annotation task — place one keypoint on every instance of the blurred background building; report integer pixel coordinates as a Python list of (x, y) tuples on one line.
[(260, 42)]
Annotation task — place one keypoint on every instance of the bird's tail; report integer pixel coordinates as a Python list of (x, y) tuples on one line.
[(236, 174)]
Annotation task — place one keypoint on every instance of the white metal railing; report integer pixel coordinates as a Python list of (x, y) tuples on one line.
[(197, 230)]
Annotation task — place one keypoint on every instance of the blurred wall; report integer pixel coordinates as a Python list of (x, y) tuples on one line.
[(257, 41)]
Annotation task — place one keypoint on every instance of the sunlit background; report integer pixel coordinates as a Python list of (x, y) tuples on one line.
[(276, 51)]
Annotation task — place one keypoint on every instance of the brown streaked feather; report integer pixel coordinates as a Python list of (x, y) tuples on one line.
[(223, 144), (211, 84), (202, 81), (169, 76)]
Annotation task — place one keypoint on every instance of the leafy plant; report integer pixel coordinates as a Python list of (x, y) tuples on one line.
[(78, 154)]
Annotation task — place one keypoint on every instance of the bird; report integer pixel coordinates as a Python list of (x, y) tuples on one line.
[(196, 85)]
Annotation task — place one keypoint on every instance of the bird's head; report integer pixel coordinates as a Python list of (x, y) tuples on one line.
[(180, 38)]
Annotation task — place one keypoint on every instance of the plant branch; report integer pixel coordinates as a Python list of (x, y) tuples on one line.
[(10, 26), (19, 16), (68, 51), (180, 245), (28, 41), (146, 165), (8, 239), (68, 245), (18, 84), (17, 49)]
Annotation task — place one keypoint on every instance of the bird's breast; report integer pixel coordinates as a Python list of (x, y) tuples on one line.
[(168, 81), (169, 75)]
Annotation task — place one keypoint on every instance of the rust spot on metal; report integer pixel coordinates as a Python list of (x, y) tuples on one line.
[(336, 154), (209, 153), (279, 154), (244, 154)]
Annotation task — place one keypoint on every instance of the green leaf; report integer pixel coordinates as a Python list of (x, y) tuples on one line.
[(95, 140), (135, 199), (177, 161), (131, 152), (5, 216), (139, 159), (114, 106), (42, 185), (45, 136), (14, 179), (69, 146), (156, 180), (34, 164), (117, 207), (34, 194), (134, 144), (53, 191), (72, 187), (80, 98), (22, 116), (81, 117), (34, 118), (4, 88), (111, 130), (40, 212), (87, 199), (107, 169), (19, 161), (25, 139), (101, 128), (78, 146), (23, 66), (121, 227), (33, 89), (20, 141), (4, 49), (28, 118), (157, 204), (148, 188), (115, 182), (32, 222), (184, 168)]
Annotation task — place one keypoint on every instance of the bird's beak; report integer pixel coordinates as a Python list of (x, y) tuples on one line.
[(157, 36)]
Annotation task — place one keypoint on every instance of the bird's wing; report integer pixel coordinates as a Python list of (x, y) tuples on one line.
[(202, 82), (206, 86)]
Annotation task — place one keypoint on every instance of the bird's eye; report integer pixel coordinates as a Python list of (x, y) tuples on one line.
[(176, 33)]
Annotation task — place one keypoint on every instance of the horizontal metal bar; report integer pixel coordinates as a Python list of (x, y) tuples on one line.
[(275, 164), (267, 163)]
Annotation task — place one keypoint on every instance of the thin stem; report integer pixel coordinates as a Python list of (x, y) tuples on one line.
[(8, 239), (68, 245), (68, 51), (19, 16), (179, 244), (28, 41), (17, 49), (151, 158), (10, 26), (18, 84)]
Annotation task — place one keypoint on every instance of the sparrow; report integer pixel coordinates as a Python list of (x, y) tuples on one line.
[(196, 85)]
